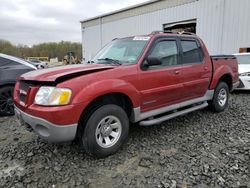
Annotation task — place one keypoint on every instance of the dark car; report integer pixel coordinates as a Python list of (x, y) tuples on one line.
[(10, 69)]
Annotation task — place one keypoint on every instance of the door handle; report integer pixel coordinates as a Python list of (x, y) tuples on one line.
[(176, 72)]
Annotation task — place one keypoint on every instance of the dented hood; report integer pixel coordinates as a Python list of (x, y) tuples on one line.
[(59, 74)]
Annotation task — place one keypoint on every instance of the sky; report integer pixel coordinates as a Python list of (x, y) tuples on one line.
[(31, 22)]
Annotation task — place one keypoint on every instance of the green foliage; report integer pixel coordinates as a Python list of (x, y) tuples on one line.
[(51, 49), (7, 48)]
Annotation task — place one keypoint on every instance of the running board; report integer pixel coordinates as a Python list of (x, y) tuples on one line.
[(173, 115)]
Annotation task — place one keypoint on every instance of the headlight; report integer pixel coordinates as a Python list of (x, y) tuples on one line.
[(245, 74), (52, 96)]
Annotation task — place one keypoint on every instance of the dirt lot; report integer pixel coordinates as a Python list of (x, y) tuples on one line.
[(201, 149)]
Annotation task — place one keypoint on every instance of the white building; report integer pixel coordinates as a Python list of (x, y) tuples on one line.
[(224, 25)]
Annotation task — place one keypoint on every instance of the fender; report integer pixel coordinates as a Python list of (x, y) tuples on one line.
[(219, 72), (97, 89)]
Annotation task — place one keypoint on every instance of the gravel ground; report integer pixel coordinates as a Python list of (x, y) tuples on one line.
[(201, 149)]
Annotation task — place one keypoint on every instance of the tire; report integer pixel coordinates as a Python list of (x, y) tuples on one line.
[(221, 97), (105, 131), (6, 101)]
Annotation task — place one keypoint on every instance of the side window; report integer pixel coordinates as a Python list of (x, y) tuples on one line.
[(167, 52), (192, 53)]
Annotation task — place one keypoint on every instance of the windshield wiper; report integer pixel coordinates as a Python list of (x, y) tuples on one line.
[(111, 61)]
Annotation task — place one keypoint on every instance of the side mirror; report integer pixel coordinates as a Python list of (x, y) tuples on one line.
[(152, 61)]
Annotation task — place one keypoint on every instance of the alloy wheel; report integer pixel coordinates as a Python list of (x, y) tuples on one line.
[(222, 97), (6, 102), (108, 131)]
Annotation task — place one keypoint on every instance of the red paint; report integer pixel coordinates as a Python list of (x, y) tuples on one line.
[(149, 89)]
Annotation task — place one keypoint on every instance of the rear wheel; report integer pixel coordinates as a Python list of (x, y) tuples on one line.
[(221, 97), (105, 131), (6, 100)]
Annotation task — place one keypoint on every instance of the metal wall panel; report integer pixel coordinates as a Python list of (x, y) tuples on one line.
[(209, 24), (91, 41), (143, 8), (236, 27), (222, 24)]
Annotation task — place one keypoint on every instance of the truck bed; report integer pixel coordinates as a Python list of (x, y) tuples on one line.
[(224, 63), (215, 57)]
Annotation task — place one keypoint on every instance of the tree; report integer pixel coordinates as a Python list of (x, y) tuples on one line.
[(50, 49)]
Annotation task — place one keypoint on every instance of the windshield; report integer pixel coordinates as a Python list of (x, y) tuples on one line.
[(243, 59), (122, 51)]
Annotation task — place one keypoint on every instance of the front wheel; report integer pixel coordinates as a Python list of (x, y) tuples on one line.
[(105, 131), (221, 97)]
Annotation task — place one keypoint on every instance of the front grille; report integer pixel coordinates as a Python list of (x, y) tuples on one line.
[(23, 92)]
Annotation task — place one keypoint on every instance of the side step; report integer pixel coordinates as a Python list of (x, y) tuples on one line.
[(173, 115)]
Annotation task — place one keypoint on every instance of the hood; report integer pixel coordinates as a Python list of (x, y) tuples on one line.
[(244, 68), (59, 74)]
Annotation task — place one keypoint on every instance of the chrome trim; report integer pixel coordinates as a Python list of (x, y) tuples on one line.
[(47, 130), (149, 102), (173, 115), (138, 116), (22, 92)]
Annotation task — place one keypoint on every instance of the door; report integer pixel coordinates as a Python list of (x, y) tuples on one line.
[(160, 85), (196, 72)]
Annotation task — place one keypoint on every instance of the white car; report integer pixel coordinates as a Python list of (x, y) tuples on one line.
[(39, 64), (244, 70)]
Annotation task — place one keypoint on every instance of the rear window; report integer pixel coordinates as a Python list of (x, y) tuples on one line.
[(4, 61), (192, 52)]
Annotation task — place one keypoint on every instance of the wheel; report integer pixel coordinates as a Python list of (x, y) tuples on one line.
[(220, 99), (105, 131), (6, 100)]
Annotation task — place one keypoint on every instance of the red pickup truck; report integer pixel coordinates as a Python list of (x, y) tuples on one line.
[(146, 79)]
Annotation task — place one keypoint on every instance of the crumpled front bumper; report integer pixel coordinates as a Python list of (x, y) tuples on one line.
[(47, 130), (244, 83)]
